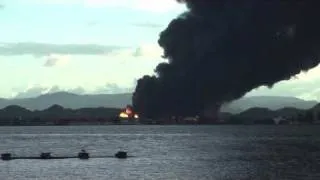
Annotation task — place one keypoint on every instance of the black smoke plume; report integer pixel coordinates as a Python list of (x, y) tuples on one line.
[(219, 50)]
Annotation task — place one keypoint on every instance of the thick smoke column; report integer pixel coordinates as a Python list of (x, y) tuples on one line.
[(221, 49)]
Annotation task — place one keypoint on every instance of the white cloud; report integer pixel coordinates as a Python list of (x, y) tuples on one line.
[(305, 85), (41, 49), (112, 88), (148, 51), (56, 60), (34, 90), (311, 75), (159, 6), (149, 25), (308, 77), (313, 94), (29, 92), (156, 6)]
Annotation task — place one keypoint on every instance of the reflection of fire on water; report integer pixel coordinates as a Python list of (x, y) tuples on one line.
[(128, 113)]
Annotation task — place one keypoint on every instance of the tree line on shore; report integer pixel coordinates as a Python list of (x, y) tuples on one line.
[(54, 115), (58, 115), (258, 115)]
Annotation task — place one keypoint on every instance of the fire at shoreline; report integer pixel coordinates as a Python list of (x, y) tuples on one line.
[(128, 113)]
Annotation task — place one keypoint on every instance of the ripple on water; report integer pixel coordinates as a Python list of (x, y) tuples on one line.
[(165, 152)]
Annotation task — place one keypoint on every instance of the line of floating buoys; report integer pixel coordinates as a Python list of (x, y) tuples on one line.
[(6, 156), (121, 155), (81, 155)]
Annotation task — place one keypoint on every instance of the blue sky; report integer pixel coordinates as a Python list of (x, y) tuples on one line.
[(93, 46)]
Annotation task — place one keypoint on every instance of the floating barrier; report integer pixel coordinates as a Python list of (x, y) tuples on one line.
[(47, 156), (121, 155), (83, 155), (6, 156)]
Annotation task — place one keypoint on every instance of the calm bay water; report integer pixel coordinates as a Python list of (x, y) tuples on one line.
[(165, 152)]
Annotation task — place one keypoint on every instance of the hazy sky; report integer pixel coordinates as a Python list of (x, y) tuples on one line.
[(93, 46)]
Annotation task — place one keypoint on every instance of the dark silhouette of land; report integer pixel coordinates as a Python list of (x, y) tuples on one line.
[(71, 109), (270, 102), (57, 115), (288, 115), (76, 101)]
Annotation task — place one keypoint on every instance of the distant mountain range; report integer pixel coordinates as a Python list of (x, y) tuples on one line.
[(70, 100), (75, 101), (270, 102)]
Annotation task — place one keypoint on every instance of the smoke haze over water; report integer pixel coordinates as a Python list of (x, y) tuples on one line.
[(219, 50)]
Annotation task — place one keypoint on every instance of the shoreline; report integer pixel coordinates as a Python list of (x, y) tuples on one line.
[(161, 125)]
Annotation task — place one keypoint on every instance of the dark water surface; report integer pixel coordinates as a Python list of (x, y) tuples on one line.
[(165, 152)]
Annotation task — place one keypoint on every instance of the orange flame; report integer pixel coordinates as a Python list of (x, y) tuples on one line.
[(123, 115), (128, 113)]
